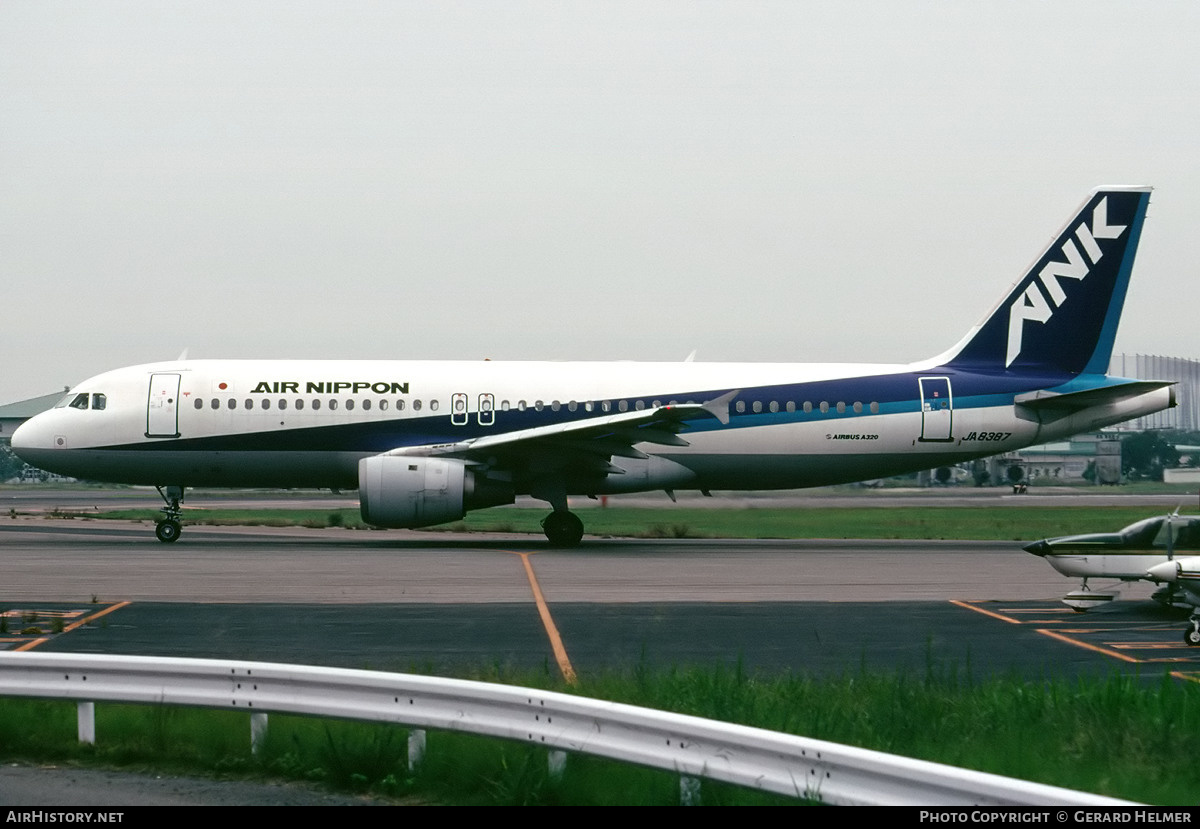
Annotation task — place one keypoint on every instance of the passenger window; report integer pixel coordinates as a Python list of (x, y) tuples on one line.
[(299, 403), (623, 405), (383, 405), (537, 405), (520, 405), (366, 405), (333, 405), (417, 405), (199, 403), (639, 405), (857, 407), (232, 404), (316, 404), (824, 407), (283, 404), (555, 406), (791, 405), (741, 406), (757, 406), (605, 406), (774, 405), (841, 407), (571, 406), (874, 408), (399, 405), (433, 405), (807, 406), (266, 403), (350, 405), (249, 403), (216, 404)]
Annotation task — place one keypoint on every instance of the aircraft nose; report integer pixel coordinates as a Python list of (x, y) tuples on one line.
[(1038, 548), (31, 441), (21, 438), (1167, 571)]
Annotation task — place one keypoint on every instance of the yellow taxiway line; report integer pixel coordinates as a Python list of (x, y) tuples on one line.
[(28, 646), (556, 643)]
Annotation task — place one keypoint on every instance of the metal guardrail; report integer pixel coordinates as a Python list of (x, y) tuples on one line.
[(691, 746)]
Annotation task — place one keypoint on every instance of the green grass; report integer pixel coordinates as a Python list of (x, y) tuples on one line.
[(1119, 736), (966, 522)]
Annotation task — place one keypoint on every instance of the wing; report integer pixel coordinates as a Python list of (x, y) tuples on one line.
[(585, 445)]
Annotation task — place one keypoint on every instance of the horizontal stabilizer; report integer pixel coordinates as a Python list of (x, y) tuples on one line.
[(1048, 401)]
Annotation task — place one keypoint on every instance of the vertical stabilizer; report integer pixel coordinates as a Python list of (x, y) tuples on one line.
[(1062, 316)]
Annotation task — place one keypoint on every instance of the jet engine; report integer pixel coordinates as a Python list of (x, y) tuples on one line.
[(399, 491)]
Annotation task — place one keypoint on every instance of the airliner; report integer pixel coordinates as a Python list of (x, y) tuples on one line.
[(425, 442)]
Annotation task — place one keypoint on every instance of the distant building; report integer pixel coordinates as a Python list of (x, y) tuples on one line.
[(1069, 460), (1186, 375)]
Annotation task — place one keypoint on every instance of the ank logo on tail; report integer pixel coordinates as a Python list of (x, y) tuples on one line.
[(1033, 305), (1061, 317)]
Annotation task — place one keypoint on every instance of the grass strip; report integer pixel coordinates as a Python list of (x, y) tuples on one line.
[(961, 523)]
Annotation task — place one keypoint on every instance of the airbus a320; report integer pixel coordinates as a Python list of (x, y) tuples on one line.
[(425, 442)]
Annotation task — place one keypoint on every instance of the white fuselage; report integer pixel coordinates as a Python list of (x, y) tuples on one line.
[(309, 423)]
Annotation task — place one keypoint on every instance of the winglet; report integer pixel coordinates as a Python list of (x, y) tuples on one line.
[(718, 407)]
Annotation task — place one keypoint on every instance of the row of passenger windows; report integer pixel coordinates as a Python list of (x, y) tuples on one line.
[(807, 406), (315, 404)]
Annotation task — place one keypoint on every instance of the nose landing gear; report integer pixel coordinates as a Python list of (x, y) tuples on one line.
[(169, 527)]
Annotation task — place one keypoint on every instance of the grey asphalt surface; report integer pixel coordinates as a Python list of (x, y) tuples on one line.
[(403, 600)]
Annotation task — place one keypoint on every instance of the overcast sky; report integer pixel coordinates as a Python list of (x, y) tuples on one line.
[(754, 180)]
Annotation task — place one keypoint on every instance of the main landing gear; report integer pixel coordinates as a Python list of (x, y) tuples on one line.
[(169, 527), (563, 529), (1191, 636)]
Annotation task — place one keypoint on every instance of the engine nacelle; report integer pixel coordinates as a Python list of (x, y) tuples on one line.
[(397, 491)]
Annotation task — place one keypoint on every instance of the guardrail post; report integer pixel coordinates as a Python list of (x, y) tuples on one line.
[(689, 790), (85, 716), (258, 731), (416, 748), (556, 763)]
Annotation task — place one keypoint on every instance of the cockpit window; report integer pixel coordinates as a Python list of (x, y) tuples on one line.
[(1181, 534), (79, 400), (1187, 537), (1143, 532)]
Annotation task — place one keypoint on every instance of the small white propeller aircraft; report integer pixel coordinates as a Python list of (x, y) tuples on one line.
[(1131, 554), (1183, 573), (424, 442)]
